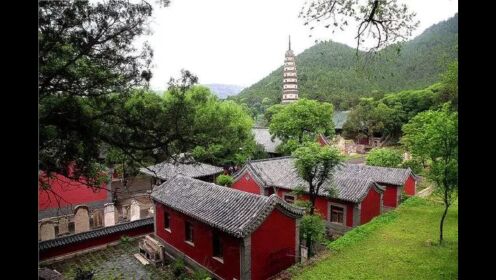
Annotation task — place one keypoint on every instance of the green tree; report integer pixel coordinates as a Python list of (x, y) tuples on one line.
[(450, 81), (222, 133), (316, 165), (302, 121), (384, 21), (312, 227), (224, 180), (89, 65), (434, 135), (384, 157)]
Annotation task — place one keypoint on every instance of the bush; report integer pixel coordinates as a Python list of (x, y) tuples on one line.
[(126, 239), (414, 164), (224, 180), (83, 274), (312, 226), (201, 274), (303, 204), (384, 157), (178, 267), (404, 196)]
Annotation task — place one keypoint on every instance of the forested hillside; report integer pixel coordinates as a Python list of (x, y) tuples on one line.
[(331, 71)]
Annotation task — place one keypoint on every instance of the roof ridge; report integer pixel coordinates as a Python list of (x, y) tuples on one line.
[(269, 159), (228, 189)]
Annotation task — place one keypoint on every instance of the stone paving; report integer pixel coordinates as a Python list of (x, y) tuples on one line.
[(115, 262)]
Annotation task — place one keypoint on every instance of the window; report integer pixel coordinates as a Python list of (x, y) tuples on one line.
[(217, 246), (337, 214), (289, 198), (166, 220), (188, 232)]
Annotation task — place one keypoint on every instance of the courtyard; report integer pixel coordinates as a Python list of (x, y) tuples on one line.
[(114, 262)]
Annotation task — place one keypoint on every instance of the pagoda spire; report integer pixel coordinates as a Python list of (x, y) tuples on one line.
[(290, 80)]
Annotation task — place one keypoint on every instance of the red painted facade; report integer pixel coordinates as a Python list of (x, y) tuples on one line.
[(410, 186), (202, 250), (391, 196), (370, 206), (93, 242), (247, 183), (322, 205), (349, 211), (68, 192), (321, 140), (273, 246)]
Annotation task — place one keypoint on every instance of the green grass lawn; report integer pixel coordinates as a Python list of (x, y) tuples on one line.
[(402, 244)]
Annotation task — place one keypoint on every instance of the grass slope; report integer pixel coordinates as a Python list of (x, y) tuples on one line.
[(401, 244)]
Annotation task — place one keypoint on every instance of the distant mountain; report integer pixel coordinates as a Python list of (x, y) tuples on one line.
[(329, 71), (223, 91)]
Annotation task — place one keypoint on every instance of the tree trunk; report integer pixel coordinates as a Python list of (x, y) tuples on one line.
[(446, 205), (442, 223), (309, 247), (312, 206)]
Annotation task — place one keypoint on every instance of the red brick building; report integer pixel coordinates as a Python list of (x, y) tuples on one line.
[(395, 180), (357, 200), (229, 233), (65, 193)]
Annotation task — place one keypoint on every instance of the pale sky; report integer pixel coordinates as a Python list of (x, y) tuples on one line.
[(241, 41)]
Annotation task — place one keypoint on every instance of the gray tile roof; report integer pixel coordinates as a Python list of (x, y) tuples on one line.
[(339, 118), (385, 175), (79, 237), (351, 181), (169, 169), (236, 212), (263, 137)]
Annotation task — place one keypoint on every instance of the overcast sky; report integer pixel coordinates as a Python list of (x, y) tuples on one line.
[(240, 42)]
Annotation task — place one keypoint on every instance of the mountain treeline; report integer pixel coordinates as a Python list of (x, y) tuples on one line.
[(333, 72)]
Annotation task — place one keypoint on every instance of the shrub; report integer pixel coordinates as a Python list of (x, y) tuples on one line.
[(312, 226), (224, 180), (303, 204), (201, 274), (126, 239), (83, 274), (404, 196), (414, 164), (384, 157), (178, 267)]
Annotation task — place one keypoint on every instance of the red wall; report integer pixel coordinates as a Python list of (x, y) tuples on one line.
[(370, 207), (202, 238), (68, 192), (321, 140), (273, 246), (250, 185), (349, 211), (390, 196), (66, 249), (322, 204), (363, 141), (409, 186)]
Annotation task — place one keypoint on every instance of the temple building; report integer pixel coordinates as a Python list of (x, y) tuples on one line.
[(290, 80)]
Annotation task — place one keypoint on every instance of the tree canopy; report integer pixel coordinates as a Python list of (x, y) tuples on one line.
[(89, 66), (384, 157), (384, 21), (315, 164), (301, 121), (433, 135)]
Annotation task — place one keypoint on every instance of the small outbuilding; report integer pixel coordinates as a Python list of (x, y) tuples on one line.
[(230, 233), (356, 200)]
